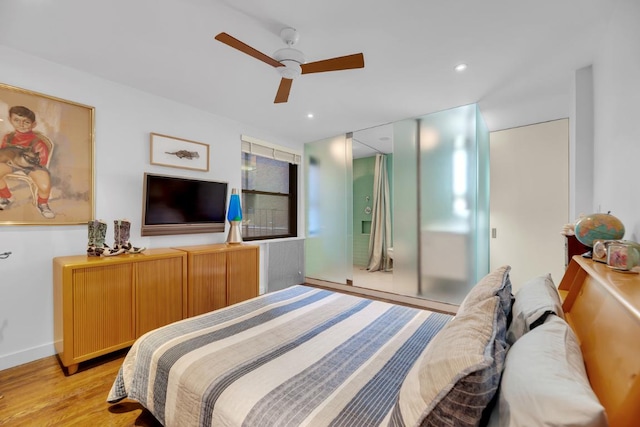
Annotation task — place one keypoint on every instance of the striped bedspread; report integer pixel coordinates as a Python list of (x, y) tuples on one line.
[(299, 356)]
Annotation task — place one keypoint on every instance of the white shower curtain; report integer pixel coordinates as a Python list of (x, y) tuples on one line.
[(380, 237)]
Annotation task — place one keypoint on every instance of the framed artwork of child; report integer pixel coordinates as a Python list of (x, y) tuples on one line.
[(46, 159)]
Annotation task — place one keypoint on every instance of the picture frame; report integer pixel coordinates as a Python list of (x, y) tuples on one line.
[(180, 153), (46, 159)]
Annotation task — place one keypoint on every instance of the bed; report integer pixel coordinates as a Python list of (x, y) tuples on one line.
[(311, 356)]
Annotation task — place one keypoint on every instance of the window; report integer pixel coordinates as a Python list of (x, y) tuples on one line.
[(269, 191)]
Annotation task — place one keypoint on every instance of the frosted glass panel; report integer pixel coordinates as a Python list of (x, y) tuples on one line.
[(449, 203), (482, 210), (438, 179), (405, 208), (328, 243)]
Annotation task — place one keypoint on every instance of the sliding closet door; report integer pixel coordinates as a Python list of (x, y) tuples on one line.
[(329, 209), (405, 208), (452, 203)]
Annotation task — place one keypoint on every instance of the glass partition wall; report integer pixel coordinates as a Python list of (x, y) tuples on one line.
[(328, 208), (438, 176), (453, 227)]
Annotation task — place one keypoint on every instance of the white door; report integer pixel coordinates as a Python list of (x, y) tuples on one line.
[(529, 199)]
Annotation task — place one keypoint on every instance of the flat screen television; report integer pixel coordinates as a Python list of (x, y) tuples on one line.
[(175, 205)]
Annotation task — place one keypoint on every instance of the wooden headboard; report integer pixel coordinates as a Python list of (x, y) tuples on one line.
[(603, 308)]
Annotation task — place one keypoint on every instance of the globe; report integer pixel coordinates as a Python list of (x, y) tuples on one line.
[(598, 226)]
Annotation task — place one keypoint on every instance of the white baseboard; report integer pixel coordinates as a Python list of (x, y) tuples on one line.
[(25, 356)]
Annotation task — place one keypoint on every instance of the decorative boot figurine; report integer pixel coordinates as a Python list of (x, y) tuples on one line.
[(91, 246), (99, 233), (101, 246), (124, 227)]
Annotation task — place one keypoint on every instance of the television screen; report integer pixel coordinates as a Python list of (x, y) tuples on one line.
[(175, 205)]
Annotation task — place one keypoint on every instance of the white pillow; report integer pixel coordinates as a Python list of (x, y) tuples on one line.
[(533, 300), (544, 382)]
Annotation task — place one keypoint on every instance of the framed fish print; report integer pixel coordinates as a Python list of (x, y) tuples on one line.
[(46, 159), (179, 153)]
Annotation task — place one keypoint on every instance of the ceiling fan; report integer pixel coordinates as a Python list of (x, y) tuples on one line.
[(290, 62)]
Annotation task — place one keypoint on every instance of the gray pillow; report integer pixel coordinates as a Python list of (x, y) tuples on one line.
[(496, 283), (545, 383), (459, 372), (533, 301)]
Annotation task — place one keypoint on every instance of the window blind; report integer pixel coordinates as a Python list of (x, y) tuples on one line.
[(264, 149)]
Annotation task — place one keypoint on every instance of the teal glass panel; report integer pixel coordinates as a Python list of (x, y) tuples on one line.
[(348, 200), (482, 209), (448, 203), (404, 212), (439, 186), (328, 188)]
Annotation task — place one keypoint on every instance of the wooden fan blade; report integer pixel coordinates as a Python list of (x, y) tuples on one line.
[(283, 91), (243, 47), (335, 64)]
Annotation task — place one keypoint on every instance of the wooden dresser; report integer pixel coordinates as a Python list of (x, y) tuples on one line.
[(102, 304), (220, 275)]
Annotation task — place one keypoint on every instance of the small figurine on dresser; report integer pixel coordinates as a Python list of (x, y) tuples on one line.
[(97, 231), (623, 255), (122, 233)]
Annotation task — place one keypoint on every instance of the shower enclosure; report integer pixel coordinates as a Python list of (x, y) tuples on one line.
[(440, 179)]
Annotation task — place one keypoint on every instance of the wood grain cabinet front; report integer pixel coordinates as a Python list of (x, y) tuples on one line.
[(102, 304), (220, 275)]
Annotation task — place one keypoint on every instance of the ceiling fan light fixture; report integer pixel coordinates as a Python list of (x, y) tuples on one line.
[(292, 59), (289, 54), (291, 69)]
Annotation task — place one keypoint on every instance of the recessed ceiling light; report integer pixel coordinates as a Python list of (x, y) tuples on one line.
[(460, 67), (310, 116)]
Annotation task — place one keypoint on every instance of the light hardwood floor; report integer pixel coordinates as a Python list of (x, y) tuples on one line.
[(39, 394)]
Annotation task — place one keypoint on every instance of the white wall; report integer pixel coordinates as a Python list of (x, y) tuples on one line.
[(581, 144), (616, 74), (124, 117)]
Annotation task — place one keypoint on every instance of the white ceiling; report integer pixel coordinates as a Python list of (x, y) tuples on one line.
[(521, 55)]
